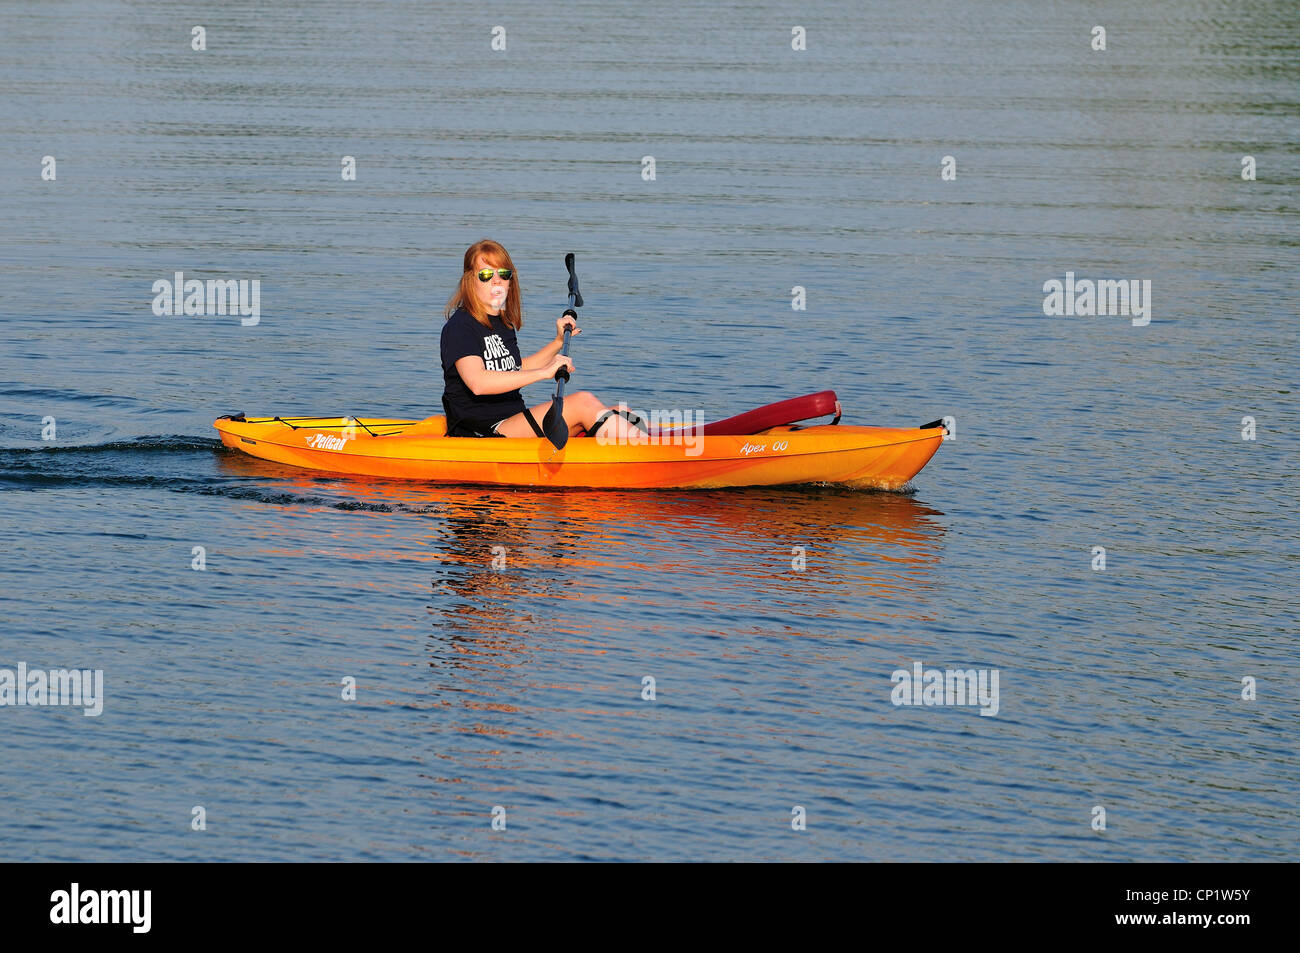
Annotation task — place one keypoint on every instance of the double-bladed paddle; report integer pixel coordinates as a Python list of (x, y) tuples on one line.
[(553, 425)]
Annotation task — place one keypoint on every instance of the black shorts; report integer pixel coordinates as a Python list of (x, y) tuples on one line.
[(484, 428)]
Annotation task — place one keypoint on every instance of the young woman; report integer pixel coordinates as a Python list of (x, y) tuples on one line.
[(482, 369)]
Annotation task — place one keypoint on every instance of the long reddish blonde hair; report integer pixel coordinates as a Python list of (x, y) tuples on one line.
[(496, 256)]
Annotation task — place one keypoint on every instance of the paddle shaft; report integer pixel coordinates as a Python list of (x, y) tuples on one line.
[(562, 375), (554, 426)]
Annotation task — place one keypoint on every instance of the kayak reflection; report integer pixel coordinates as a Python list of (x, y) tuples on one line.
[(516, 561)]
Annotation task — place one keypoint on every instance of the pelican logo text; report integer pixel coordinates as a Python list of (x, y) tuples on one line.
[(322, 441)]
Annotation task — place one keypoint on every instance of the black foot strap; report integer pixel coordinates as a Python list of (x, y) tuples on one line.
[(532, 422), (627, 415)]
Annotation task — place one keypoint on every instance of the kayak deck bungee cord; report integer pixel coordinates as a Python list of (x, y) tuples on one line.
[(764, 447)]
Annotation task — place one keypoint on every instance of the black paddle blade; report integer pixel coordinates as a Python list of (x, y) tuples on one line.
[(553, 425), (573, 281)]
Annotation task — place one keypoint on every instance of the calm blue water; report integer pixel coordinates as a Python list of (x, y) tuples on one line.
[(522, 688)]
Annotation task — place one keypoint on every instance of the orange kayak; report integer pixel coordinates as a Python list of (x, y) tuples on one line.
[(877, 457)]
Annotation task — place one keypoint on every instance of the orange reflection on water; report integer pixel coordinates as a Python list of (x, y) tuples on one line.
[(725, 551), (587, 574)]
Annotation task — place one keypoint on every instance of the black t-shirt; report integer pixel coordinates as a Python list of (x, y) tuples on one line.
[(461, 337)]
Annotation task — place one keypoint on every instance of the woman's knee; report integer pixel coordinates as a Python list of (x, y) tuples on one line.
[(587, 400)]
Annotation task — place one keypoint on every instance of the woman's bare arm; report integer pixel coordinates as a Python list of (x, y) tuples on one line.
[(482, 382), (544, 356)]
